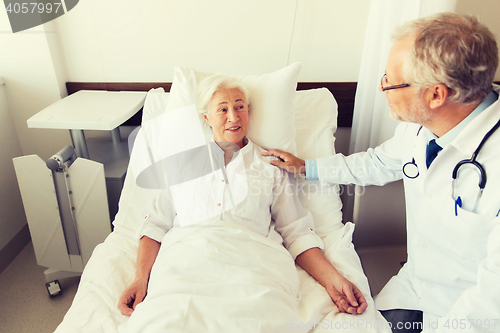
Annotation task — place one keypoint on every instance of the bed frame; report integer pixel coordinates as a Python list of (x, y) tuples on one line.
[(344, 93)]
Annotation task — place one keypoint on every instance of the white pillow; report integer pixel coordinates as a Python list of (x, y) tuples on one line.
[(315, 125), (271, 103), (155, 104)]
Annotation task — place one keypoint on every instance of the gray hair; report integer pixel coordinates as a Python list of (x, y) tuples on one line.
[(453, 49), (213, 83)]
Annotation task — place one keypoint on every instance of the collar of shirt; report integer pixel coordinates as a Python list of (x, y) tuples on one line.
[(244, 149), (453, 133), (218, 153)]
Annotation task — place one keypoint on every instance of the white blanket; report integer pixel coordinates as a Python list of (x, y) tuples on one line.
[(260, 270), (218, 277)]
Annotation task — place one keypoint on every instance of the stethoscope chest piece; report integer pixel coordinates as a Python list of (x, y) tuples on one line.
[(410, 169)]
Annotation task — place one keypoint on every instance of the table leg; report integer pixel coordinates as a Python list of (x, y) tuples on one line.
[(80, 143), (115, 136)]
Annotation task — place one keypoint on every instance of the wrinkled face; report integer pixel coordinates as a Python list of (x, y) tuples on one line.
[(228, 116), (406, 104)]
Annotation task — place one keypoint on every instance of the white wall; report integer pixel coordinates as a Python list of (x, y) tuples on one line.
[(128, 40), (125, 40), (486, 11), (30, 84), (12, 217)]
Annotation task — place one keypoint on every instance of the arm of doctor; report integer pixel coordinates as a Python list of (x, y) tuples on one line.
[(343, 293), (136, 291), (289, 162)]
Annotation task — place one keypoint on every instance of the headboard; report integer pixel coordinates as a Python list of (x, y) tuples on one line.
[(344, 93)]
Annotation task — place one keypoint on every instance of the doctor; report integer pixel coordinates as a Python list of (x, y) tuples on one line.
[(439, 83)]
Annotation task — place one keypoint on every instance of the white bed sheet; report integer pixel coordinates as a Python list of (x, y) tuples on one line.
[(112, 265)]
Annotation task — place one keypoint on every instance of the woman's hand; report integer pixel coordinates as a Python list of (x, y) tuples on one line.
[(132, 296), (136, 291), (286, 161), (346, 296), (343, 293)]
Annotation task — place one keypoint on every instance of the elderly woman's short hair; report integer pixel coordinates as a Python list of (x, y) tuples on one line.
[(453, 49), (211, 84)]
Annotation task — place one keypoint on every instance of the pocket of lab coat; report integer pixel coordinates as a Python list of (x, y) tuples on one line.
[(467, 232)]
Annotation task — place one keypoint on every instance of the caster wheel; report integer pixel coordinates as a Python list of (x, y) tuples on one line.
[(53, 288)]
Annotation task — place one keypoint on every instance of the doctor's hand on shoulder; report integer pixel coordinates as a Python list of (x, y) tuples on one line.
[(287, 161)]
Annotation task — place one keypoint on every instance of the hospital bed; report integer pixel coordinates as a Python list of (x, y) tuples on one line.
[(112, 265)]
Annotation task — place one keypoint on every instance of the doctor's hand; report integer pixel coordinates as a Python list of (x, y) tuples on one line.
[(346, 296), (287, 161), (132, 296)]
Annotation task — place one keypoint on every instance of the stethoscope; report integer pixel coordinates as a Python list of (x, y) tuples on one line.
[(410, 170)]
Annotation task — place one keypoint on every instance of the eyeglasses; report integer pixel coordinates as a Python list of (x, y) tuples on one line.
[(385, 85)]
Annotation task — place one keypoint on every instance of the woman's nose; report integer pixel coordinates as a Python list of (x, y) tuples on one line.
[(232, 115)]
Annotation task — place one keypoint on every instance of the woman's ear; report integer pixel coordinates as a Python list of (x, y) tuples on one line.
[(206, 119)]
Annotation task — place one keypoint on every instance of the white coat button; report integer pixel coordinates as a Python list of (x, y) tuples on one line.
[(428, 285), (222, 180), (218, 204)]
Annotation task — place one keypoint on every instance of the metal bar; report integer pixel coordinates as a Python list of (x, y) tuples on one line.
[(80, 143), (115, 136), (66, 212)]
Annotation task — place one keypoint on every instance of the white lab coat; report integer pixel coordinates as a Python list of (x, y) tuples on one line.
[(453, 268)]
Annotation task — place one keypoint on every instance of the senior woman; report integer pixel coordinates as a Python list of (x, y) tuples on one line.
[(252, 193)]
